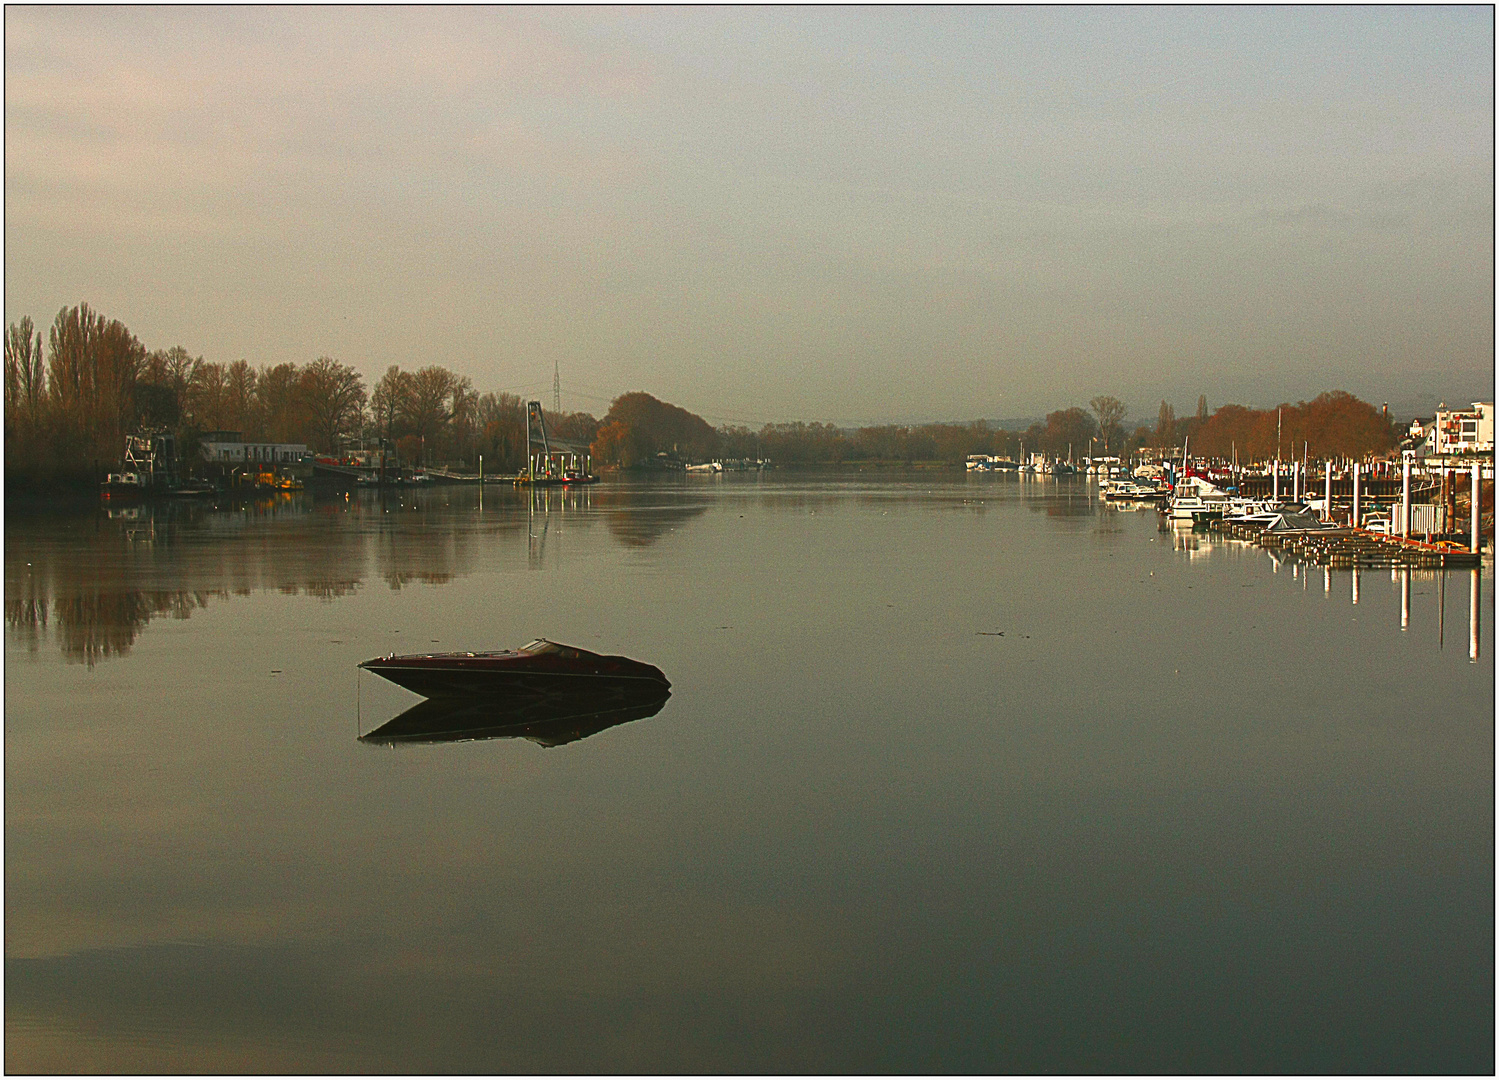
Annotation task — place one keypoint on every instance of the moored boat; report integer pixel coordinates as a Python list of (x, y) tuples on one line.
[(1197, 500)]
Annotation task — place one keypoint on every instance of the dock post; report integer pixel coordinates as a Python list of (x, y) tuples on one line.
[(1327, 509), (1475, 507), (1405, 498), (1354, 516)]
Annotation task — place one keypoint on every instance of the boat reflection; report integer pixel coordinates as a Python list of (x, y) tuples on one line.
[(550, 719)]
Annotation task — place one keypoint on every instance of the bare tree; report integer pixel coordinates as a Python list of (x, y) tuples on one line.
[(94, 365), (1165, 425), (25, 385), (429, 404), (25, 377), (240, 399), (208, 396), (388, 400), (278, 403), (1110, 413), (333, 395)]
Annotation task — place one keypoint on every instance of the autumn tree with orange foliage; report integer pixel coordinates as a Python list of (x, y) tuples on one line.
[(1332, 425), (639, 426)]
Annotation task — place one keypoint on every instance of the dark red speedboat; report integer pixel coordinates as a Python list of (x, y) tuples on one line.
[(540, 667)]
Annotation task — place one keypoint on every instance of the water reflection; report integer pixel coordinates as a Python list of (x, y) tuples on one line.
[(1196, 544), (222, 877), (639, 525), (1473, 591), (93, 582), (548, 720)]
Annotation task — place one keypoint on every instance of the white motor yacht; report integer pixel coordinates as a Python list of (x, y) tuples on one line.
[(1198, 500)]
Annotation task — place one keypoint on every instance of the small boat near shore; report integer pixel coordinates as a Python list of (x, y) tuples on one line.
[(540, 667)]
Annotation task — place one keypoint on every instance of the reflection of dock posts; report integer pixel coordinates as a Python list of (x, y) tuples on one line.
[(1473, 607), (1405, 498), (1405, 599), (1353, 518), (1326, 580), (1355, 584), (1327, 509), (1441, 606)]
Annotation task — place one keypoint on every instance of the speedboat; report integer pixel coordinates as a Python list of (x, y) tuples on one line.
[(540, 667)]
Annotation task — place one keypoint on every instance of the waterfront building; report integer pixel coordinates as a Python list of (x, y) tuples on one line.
[(1465, 432), (1453, 437), (228, 448)]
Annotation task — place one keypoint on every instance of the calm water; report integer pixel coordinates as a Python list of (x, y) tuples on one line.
[(958, 774)]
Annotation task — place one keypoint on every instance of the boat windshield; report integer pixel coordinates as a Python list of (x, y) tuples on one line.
[(543, 647)]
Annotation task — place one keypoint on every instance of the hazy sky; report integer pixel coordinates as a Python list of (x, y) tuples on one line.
[(775, 213)]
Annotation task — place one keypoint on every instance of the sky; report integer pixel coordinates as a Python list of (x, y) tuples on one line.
[(855, 215)]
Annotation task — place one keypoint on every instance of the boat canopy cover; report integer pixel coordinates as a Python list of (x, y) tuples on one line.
[(1295, 521)]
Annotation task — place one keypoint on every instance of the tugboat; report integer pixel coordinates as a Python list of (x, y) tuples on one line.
[(540, 667), (149, 470)]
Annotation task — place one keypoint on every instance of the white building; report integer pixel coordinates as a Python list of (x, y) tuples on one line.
[(226, 448), (1464, 433)]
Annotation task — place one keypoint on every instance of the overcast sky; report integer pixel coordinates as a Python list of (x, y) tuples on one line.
[(775, 213)]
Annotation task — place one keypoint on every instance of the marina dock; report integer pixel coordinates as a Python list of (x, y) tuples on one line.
[(1343, 548)]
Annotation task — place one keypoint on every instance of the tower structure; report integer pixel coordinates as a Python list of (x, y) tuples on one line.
[(556, 387)]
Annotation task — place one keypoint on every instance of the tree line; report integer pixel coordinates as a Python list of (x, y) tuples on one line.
[(71, 400), (638, 428), (68, 406)]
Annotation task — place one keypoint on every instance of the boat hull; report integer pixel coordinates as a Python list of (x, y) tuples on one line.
[(456, 681), (517, 674)]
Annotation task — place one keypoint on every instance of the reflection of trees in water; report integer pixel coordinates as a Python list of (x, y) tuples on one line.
[(637, 519), (1071, 508), (1066, 503), (805, 501), (93, 581), (94, 626), (26, 609), (421, 552)]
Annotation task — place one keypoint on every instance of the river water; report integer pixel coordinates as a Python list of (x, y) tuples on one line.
[(959, 773)]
